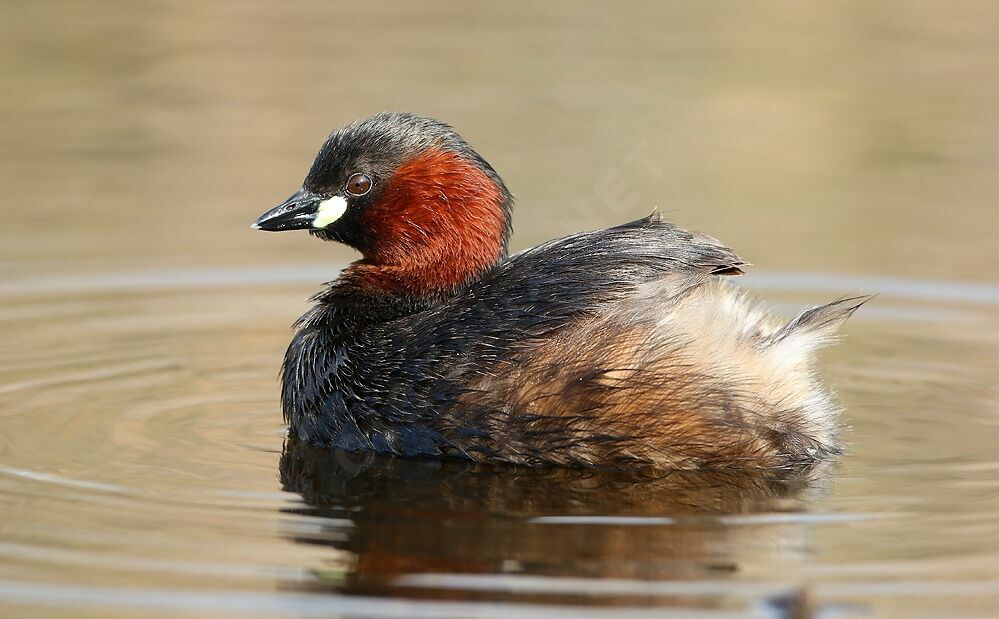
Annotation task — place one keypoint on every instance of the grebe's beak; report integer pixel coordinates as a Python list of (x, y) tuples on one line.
[(302, 211)]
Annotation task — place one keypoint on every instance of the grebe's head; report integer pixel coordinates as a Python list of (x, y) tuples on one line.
[(425, 210)]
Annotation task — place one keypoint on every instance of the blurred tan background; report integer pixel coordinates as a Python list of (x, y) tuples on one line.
[(855, 137)]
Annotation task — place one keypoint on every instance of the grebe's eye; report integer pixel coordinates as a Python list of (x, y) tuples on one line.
[(358, 184)]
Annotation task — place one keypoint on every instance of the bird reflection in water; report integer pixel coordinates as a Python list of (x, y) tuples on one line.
[(423, 528)]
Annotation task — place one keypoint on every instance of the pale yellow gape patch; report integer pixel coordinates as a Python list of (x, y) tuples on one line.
[(329, 211)]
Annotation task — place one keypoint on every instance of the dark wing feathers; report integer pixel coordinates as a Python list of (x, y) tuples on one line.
[(540, 289)]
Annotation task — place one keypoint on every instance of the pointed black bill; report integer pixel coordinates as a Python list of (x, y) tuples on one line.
[(295, 213)]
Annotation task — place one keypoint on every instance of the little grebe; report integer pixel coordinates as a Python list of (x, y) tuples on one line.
[(616, 348)]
